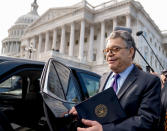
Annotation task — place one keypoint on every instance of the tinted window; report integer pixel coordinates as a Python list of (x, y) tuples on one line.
[(63, 74), (91, 83), (12, 86), (72, 92), (54, 84), (61, 83)]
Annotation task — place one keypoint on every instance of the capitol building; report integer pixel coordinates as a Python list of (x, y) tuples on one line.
[(76, 35)]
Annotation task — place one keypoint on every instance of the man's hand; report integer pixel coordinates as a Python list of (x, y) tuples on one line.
[(92, 126), (73, 111)]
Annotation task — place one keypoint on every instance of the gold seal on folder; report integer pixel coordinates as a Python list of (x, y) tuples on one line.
[(101, 110)]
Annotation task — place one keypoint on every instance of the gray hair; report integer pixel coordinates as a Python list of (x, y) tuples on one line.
[(126, 36)]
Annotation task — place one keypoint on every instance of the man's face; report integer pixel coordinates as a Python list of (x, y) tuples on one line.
[(119, 61)]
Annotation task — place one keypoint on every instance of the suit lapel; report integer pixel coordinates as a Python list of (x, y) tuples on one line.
[(104, 80), (128, 82)]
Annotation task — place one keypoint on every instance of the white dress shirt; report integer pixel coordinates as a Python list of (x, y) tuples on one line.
[(120, 80)]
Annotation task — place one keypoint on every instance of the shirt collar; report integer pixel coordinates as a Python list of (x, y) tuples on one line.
[(126, 71)]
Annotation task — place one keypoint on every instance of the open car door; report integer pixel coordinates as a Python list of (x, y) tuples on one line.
[(62, 88), (60, 92)]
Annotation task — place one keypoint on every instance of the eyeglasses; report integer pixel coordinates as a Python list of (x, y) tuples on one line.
[(113, 50)]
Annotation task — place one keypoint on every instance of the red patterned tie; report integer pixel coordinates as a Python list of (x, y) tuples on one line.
[(115, 84)]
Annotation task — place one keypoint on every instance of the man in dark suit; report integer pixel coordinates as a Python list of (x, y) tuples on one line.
[(138, 92)]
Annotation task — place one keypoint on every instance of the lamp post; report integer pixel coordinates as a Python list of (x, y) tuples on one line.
[(30, 49)]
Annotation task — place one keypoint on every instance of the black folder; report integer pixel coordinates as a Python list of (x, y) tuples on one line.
[(103, 107)]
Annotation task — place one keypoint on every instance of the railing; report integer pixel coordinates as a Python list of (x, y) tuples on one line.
[(103, 5)]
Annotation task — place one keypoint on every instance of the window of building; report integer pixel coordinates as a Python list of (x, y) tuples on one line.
[(94, 56), (95, 37), (150, 39), (17, 32), (155, 44), (146, 53), (105, 34), (76, 42), (155, 63), (85, 39), (21, 32), (151, 59)]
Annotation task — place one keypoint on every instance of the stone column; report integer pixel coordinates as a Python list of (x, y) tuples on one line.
[(28, 42), (39, 44), (34, 42), (46, 41), (128, 20), (33, 48), (11, 48), (4, 48), (14, 47), (81, 42), (54, 39), (62, 44), (91, 41), (8, 47), (27, 55), (72, 37), (114, 22), (3, 51), (21, 51), (102, 43), (17, 47)]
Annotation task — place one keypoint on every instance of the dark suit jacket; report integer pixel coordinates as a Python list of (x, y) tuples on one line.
[(140, 98), (163, 121)]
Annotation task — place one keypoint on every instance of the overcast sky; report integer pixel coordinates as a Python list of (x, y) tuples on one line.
[(10, 10)]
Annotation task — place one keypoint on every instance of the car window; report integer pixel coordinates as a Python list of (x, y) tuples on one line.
[(72, 94), (63, 73), (12, 86), (61, 83), (91, 83), (54, 84)]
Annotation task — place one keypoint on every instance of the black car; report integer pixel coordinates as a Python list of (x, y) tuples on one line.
[(20, 98), (61, 87)]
